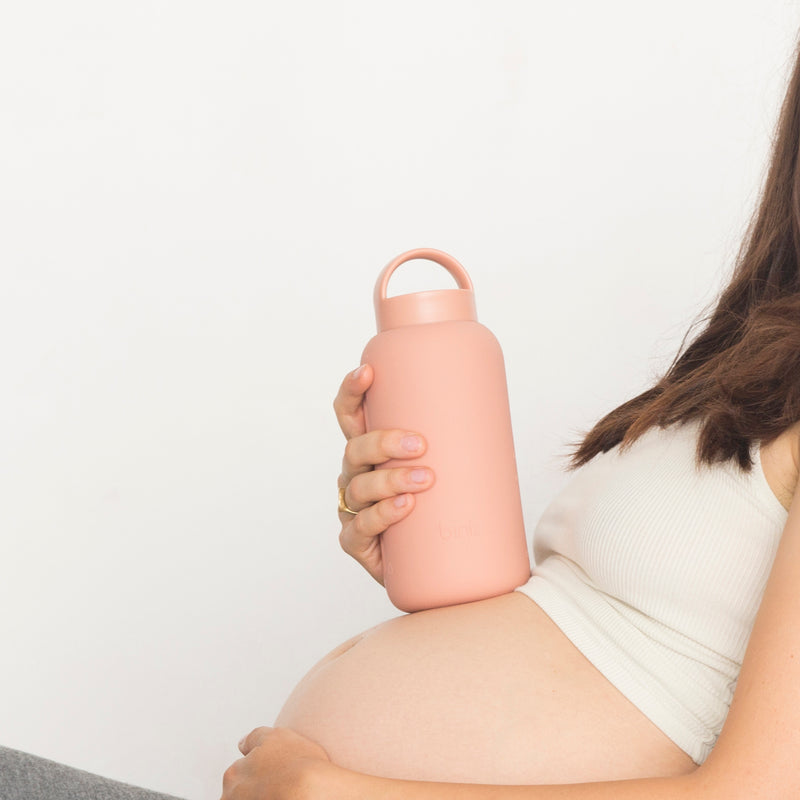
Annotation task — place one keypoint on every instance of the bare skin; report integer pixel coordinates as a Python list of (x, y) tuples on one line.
[(485, 692)]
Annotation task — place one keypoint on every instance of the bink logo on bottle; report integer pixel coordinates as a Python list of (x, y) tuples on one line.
[(458, 531)]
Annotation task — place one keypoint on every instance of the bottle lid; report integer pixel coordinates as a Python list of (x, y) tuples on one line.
[(440, 305)]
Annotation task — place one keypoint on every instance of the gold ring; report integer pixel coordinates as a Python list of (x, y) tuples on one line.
[(343, 504)]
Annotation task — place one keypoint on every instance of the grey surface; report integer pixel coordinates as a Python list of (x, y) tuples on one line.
[(27, 777)]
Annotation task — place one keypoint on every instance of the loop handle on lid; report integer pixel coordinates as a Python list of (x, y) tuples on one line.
[(439, 256), (420, 307)]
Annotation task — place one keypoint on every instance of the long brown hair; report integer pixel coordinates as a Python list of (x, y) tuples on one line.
[(741, 375)]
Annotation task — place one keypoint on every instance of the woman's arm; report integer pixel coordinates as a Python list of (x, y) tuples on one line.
[(757, 755), (280, 764), (355, 786), (759, 746)]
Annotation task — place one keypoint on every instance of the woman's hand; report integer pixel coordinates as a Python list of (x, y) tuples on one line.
[(278, 764), (381, 497)]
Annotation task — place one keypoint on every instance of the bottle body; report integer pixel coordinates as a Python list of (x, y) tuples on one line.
[(465, 539)]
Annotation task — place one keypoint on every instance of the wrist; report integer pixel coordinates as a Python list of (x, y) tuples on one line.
[(331, 782), (324, 780)]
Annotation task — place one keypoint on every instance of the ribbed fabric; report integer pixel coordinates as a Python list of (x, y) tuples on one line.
[(655, 569)]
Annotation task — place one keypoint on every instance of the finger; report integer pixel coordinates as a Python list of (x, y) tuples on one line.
[(362, 453), (253, 739), (371, 487), (348, 403), (359, 534), (231, 777)]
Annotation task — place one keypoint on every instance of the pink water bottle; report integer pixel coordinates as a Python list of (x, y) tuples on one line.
[(438, 371)]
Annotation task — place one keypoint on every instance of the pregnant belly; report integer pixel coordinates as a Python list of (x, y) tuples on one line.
[(485, 692)]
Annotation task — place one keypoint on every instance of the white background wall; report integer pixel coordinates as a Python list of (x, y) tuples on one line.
[(195, 201)]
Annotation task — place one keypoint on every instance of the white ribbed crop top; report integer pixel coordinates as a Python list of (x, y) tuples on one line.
[(655, 571)]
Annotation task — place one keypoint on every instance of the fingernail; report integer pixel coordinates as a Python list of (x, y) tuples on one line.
[(419, 475), (400, 501), (357, 373), (411, 443)]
